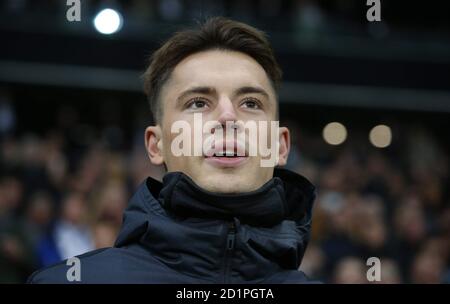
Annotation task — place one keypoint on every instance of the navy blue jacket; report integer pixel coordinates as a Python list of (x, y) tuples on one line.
[(176, 232)]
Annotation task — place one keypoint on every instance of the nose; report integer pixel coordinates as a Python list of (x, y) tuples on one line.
[(226, 111)]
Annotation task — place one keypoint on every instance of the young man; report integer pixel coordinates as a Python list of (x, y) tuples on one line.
[(223, 214)]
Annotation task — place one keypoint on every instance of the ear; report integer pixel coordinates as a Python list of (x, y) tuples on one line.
[(285, 146), (154, 144)]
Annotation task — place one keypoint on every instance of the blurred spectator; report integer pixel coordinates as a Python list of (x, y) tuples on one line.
[(105, 234), (350, 270), (16, 249), (427, 268), (390, 273), (111, 203), (313, 262), (39, 215), (70, 235)]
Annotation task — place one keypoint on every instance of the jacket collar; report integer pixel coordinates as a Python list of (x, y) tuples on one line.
[(177, 218), (266, 206)]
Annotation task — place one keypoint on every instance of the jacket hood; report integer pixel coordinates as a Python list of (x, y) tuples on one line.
[(187, 228)]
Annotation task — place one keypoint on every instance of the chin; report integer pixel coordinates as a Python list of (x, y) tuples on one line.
[(226, 184), (229, 180)]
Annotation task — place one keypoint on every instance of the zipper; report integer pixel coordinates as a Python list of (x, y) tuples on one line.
[(231, 238)]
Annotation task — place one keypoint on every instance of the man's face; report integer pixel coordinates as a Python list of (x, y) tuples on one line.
[(224, 86)]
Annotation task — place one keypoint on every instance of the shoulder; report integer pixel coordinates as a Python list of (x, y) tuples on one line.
[(67, 271), (110, 266)]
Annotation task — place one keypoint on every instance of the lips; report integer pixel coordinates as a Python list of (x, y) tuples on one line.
[(227, 149), (226, 162), (227, 156)]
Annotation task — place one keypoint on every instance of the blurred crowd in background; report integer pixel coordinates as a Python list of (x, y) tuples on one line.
[(393, 205), (63, 192), (70, 158)]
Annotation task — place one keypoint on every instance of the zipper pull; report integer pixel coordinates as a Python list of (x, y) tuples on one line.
[(231, 237), (230, 241)]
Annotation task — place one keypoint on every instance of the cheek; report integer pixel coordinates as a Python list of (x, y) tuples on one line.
[(165, 146)]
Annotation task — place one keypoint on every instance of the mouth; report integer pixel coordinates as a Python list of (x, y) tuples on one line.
[(227, 158), (227, 154), (226, 161)]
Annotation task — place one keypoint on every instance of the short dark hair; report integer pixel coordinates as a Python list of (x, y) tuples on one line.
[(214, 33)]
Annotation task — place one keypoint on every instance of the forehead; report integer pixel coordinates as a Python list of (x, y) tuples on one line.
[(221, 69)]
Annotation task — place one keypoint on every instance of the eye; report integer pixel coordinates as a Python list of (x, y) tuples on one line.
[(251, 103), (196, 103)]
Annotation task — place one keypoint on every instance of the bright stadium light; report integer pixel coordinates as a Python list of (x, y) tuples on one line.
[(380, 136), (108, 21), (334, 133)]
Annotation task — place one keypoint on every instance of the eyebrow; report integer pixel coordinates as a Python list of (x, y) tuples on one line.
[(251, 90), (196, 90)]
